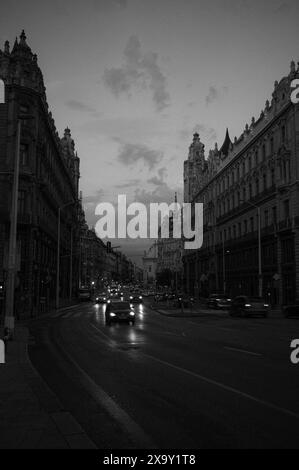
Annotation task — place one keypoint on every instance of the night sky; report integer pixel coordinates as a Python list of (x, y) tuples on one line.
[(133, 79)]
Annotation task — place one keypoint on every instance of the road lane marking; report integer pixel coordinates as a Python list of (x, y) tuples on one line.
[(136, 433), (242, 351), (213, 382), (224, 387)]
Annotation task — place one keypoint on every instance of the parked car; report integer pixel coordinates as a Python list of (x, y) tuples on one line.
[(219, 301), (291, 310), (247, 306), (119, 311), (101, 298)]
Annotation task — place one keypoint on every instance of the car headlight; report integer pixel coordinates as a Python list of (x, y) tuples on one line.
[(131, 298), (248, 305), (112, 315), (266, 305), (132, 314), (140, 297), (97, 299)]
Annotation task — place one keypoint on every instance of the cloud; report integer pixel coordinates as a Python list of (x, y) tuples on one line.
[(104, 5), (162, 193), (128, 184), (215, 94), (139, 71), (158, 180), (80, 106), (121, 3), (206, 133), (131, 154)]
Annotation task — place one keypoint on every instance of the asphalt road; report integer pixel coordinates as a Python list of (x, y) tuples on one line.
[(206, 382)]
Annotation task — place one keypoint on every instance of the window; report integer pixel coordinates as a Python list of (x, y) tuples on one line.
[(283, 134), (264, 182), (272, 145), (249, 163), (245, 227), (24, 154), (286, 207), (252, 224), (257, 186), (24, 109), (22, 202), (273, 177), (250, 191), (239, 229), (274, 215), (266, 218), (2, 92), (264, 152), (235, 231), (256, 158)]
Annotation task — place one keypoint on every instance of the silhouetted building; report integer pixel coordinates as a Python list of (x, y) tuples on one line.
[(49, 179), (256, 173)]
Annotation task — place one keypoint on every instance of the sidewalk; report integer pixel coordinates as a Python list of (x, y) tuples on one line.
[(198, 310), (31, 417)]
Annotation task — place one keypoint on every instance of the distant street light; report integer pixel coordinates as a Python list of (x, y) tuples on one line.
[(9, 321)]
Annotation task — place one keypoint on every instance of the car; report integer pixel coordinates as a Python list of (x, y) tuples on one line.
[(291, 310), (136, 298), (101, 298), (119, 311), (84, 294), (184, 301), (245, 306), (219, 301)]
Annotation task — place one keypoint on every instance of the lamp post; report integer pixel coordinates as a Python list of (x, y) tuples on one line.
[(9, 321), (58, 251)]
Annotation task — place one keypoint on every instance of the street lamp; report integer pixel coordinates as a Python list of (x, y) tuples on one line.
[(259, 246), (9, 321), (58, 251)]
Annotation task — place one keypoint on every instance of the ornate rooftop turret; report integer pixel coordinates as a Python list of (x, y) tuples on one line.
[(226, 144)]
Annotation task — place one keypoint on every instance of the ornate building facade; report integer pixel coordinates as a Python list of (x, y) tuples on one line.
[(251, 180), (48, 180)]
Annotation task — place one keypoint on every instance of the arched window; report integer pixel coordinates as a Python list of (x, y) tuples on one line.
[(2, 91)]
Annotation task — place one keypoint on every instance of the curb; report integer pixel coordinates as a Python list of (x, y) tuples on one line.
[(66, 425)]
